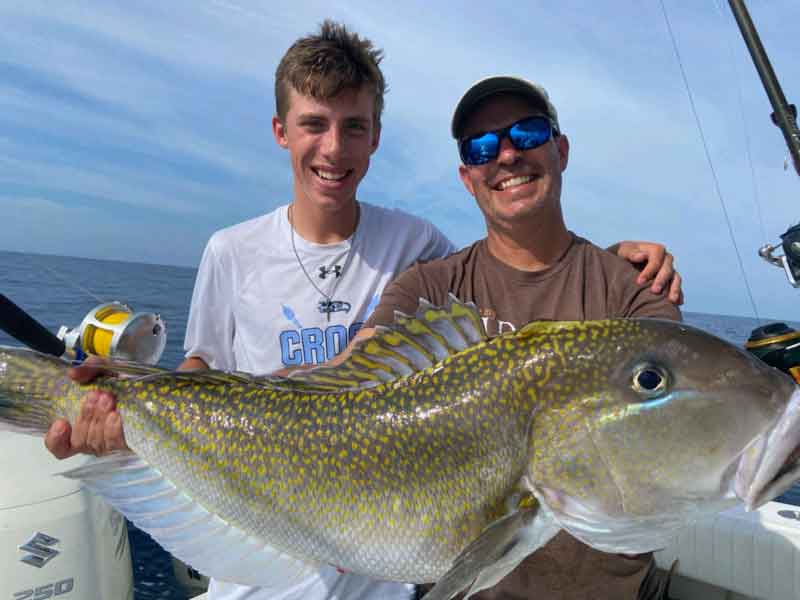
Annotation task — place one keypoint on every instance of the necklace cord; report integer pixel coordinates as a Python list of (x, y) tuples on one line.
[(328, 297)]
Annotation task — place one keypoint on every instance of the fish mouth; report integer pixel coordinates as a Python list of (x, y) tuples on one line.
[(771, 464)]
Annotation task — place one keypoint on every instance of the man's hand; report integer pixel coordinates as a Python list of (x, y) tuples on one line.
[(97, 429), (657, 264)]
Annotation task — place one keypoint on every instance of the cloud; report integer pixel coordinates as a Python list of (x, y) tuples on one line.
[(152, 121)]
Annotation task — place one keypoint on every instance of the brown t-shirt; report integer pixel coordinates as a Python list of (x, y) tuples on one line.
[(586, 283)]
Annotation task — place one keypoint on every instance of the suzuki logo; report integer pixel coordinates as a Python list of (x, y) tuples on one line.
[(39, 547)]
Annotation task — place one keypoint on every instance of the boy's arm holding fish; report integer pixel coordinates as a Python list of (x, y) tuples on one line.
[(98, 428)]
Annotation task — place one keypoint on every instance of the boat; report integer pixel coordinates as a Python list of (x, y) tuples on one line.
[(57, 540), (738, 555)]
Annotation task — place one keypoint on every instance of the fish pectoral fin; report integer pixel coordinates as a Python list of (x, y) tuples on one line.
[(497, 551), (101, 466)]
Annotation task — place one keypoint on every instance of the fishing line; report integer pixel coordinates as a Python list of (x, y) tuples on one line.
[(66, 280), (708, 159), (111, 329), (747, 142)]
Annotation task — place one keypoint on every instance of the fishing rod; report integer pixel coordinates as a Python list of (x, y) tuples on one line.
[(785, 117), (111, 329)]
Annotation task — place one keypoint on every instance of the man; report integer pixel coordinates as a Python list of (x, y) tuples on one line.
[(294, 286), (531, 267)]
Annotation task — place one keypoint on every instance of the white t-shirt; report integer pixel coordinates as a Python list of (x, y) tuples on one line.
[(255, 310)]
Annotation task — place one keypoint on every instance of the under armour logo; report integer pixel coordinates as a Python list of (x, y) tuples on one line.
[(335, 270)]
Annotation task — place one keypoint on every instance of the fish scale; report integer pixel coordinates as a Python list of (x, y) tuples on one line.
[(429, 452)]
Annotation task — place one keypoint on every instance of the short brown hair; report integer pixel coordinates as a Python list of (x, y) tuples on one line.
[(322, 65)]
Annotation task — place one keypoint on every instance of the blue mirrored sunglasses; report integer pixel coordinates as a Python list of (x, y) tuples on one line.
[(525, 134)]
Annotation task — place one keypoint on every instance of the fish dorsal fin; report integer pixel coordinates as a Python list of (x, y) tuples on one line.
[(409, 345), (545, 327), (147, 373), (540, 328), (131, 369), (151, 375), (213, 376), (226, 378)]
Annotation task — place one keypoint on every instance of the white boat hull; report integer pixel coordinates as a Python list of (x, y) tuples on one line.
[(738, 555), (57, 540)]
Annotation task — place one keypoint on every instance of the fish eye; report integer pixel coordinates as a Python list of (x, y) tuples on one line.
[(649, 380)]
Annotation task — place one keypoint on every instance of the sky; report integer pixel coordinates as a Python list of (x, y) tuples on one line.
[(133, 130)]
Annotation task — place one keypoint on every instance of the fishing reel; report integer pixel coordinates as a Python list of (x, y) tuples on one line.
[(111, 330), (790, 259), (114, 330), (778, 345)]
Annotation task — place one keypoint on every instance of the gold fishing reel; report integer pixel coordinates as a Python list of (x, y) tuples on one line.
[(113, 330), (778, 345)]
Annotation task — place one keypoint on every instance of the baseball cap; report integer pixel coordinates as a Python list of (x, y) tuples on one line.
[(490, 86)]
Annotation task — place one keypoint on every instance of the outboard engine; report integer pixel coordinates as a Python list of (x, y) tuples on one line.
[(57, 540)]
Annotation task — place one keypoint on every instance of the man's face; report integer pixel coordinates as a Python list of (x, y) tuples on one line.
[(517, 185), (330, 143)]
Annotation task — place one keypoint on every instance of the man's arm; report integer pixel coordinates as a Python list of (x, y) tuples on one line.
[(629, 298), (656, 263), (193, 363)]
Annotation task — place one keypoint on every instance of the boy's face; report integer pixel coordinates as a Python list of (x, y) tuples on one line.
[(330, 143)]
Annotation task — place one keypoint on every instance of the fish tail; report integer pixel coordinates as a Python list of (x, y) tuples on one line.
[(34, 391)]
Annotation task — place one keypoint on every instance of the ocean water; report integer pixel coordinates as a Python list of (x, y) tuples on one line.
[(60, 291)]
